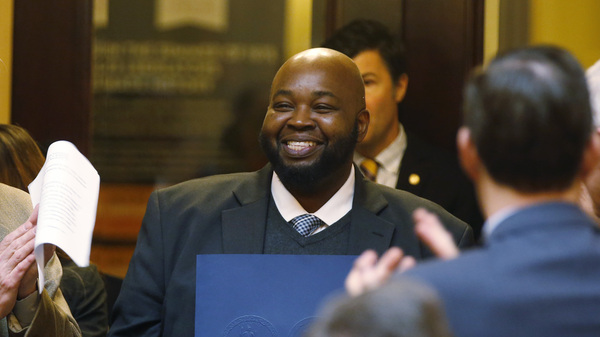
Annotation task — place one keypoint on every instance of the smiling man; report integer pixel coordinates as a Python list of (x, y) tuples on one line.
[(308, 200)]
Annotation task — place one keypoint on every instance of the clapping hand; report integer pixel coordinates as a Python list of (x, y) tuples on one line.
[(370, 272), (16, 260)]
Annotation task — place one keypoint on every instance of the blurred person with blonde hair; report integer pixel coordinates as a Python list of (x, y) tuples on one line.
[(590, 195)]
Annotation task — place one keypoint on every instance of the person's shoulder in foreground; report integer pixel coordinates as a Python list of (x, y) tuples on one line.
[(539, 264), (527, 144), (528, 128), (16, 207)]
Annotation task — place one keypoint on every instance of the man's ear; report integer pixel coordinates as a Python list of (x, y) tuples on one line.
[(591, 154), (467, 153), (363, 119), (400, 88)]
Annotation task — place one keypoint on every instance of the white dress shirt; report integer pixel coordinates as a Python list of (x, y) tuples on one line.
[(388, 160), (333, 210), (495, 219)]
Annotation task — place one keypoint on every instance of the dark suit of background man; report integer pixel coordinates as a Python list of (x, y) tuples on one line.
[(403, 160), (527, 144), (315, 117)]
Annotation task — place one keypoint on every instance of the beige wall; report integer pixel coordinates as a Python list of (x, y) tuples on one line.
[(6, 20), (491, 29), (298, 29), (572, 24)]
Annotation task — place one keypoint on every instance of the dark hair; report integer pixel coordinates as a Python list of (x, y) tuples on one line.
[(530, 118), (362, 35), (398, 309), (20, 157)]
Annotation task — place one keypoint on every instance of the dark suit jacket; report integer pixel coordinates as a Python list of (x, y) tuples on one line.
[(538, 275), (84, 291), (441, 181), (227, 214)]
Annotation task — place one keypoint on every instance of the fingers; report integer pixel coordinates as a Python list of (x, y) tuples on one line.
[(368, 273), (32, 222), (23, 232), (387, 265), (34, 215), (20, 240), (430, 230), (355, 283), (16, 260), (10, 282), (407, 263), (366, 260), (18, 272), (28, 280), (16, 247)]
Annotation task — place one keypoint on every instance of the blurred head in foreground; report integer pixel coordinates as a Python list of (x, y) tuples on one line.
[(398, 309)]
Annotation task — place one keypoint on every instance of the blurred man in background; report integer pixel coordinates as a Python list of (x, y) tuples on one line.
[(390, 154)]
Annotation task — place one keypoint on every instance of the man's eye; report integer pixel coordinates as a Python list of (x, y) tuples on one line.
[(323, 108), (369, 82), (282, 107)]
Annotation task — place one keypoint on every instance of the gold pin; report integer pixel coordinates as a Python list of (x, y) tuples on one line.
[(414, 179)]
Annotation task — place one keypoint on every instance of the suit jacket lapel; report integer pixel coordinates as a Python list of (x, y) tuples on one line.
[(244, 226), (368, 230)]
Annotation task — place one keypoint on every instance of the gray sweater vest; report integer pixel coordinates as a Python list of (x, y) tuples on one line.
[(282, 238)]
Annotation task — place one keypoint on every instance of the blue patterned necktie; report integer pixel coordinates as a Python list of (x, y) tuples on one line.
[(305, 224)]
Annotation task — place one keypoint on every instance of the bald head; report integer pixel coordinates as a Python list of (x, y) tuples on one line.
[(316, 116), (330, 63)]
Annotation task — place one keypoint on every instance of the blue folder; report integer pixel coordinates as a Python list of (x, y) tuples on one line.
[(264, 295)]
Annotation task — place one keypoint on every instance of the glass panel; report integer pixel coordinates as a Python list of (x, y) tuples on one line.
[(180, 91)]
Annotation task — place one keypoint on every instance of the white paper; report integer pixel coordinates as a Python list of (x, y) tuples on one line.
[(67, 190)]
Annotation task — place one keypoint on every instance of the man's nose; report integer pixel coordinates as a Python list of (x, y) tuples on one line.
[(302, 118)]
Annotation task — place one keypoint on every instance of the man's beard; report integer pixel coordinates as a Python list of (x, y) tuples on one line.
[(307, 177)]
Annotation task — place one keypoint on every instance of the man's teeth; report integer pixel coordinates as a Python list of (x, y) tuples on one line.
[(297, 146)]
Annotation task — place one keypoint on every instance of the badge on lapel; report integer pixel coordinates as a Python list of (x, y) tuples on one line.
[(414, 179)]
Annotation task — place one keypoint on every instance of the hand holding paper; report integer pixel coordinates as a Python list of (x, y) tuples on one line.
[(28, 282), (67, 191), (16, 262)]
